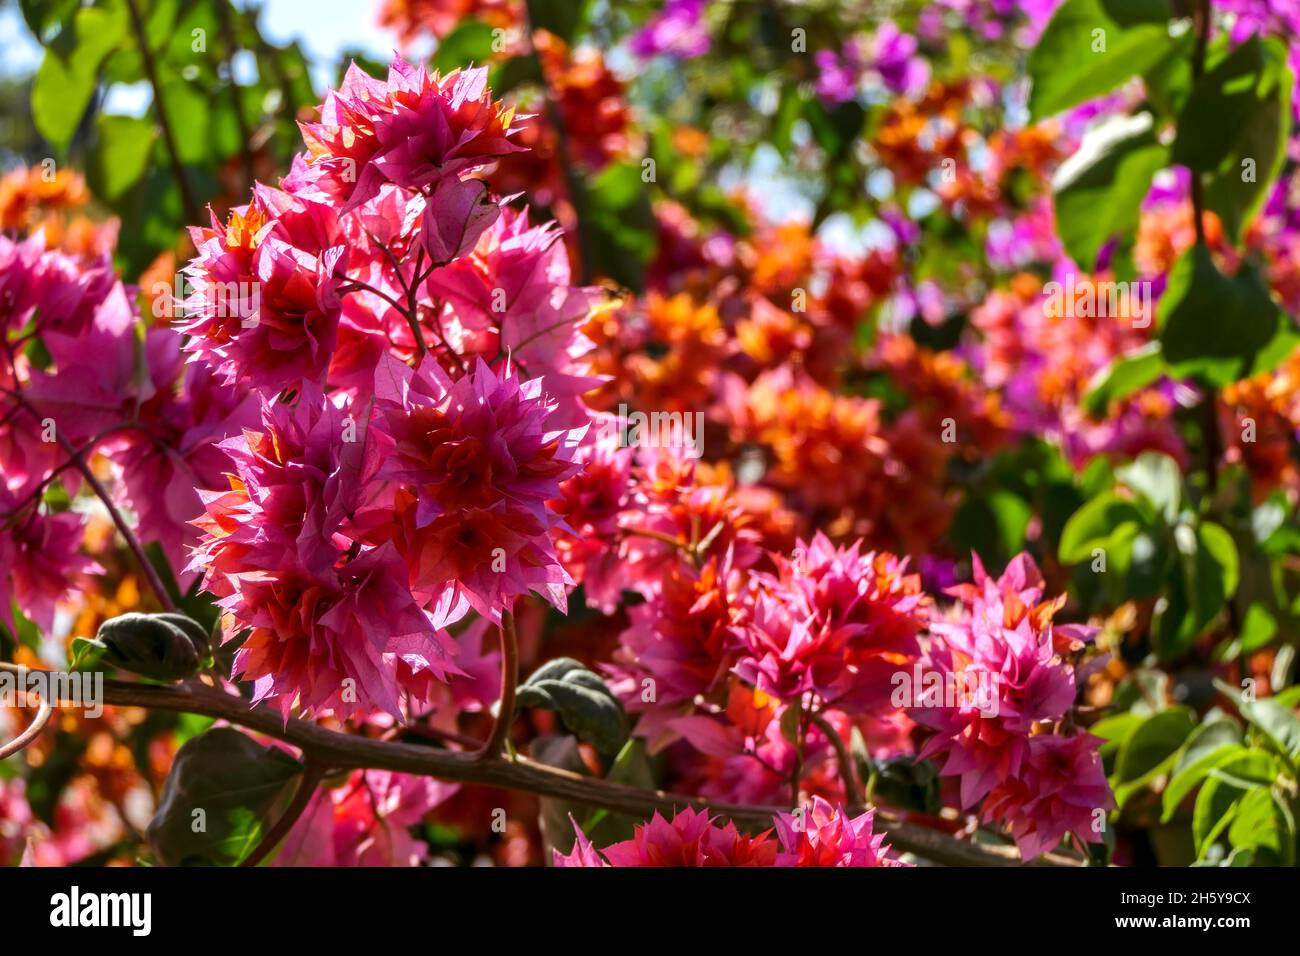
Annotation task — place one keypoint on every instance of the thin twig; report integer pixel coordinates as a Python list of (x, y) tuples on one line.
[(43, 714), (169, 138), (132, 542), (1203, 21), (313, 773), (848, 773), (509, 683), (236, 96)]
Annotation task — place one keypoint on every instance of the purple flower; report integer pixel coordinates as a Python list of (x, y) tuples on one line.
[(893, 55), (677, 30)]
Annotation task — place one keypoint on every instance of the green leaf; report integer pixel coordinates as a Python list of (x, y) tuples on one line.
[(1122, 377), (1092, 46), (1276, 722), (1156, 477), (1263, 824), (618, 224), (515, 72), (66, 79), (86, 654), (121, 154), (1153, 747), (1216, 805), (1216, 572), (561, 17), (48, 15), (1200, 302), (583, 701), (470, 43), (1207, 738), (189, 110), (1186, 777), (222, 789), (1099, 190), (1235, 126), (1094, 525), (906, 783)]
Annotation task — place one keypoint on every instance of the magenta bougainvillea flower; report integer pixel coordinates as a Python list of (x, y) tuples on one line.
[(413, 130), (42, 559), (691, 838), (479, 457), (825, 835), (837, 622), (329, 620), (678, 30), (513, 296), (1059, 790), (1002, 657), (263, 312)]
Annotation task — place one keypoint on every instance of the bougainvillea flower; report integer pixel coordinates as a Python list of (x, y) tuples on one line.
[(690, 839), (1060, 789), (825, 835), (412, 130), (680, 644), (480, 457), (365, 822), (455, 217), (293, 482), (263, 312), (678, 30), (163, 465), (481, 441), (590, 504), (999, 648), (320, 642), (835, 621), (41, 557), (512, 296)]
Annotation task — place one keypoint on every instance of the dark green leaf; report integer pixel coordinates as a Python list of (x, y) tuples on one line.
[(1234, 127), (222, 792), (152, 645), (583, 701), (1201, 302), (1100, 196)]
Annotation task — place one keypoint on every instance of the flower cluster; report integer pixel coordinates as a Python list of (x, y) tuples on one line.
[(391, 487), (1002, 736), (820, 835)]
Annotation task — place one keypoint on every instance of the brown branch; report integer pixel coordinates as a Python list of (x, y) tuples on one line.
[(852, 789), (347, 751), (509, 683), (1203, 21), (43, 714), (312, 775)]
